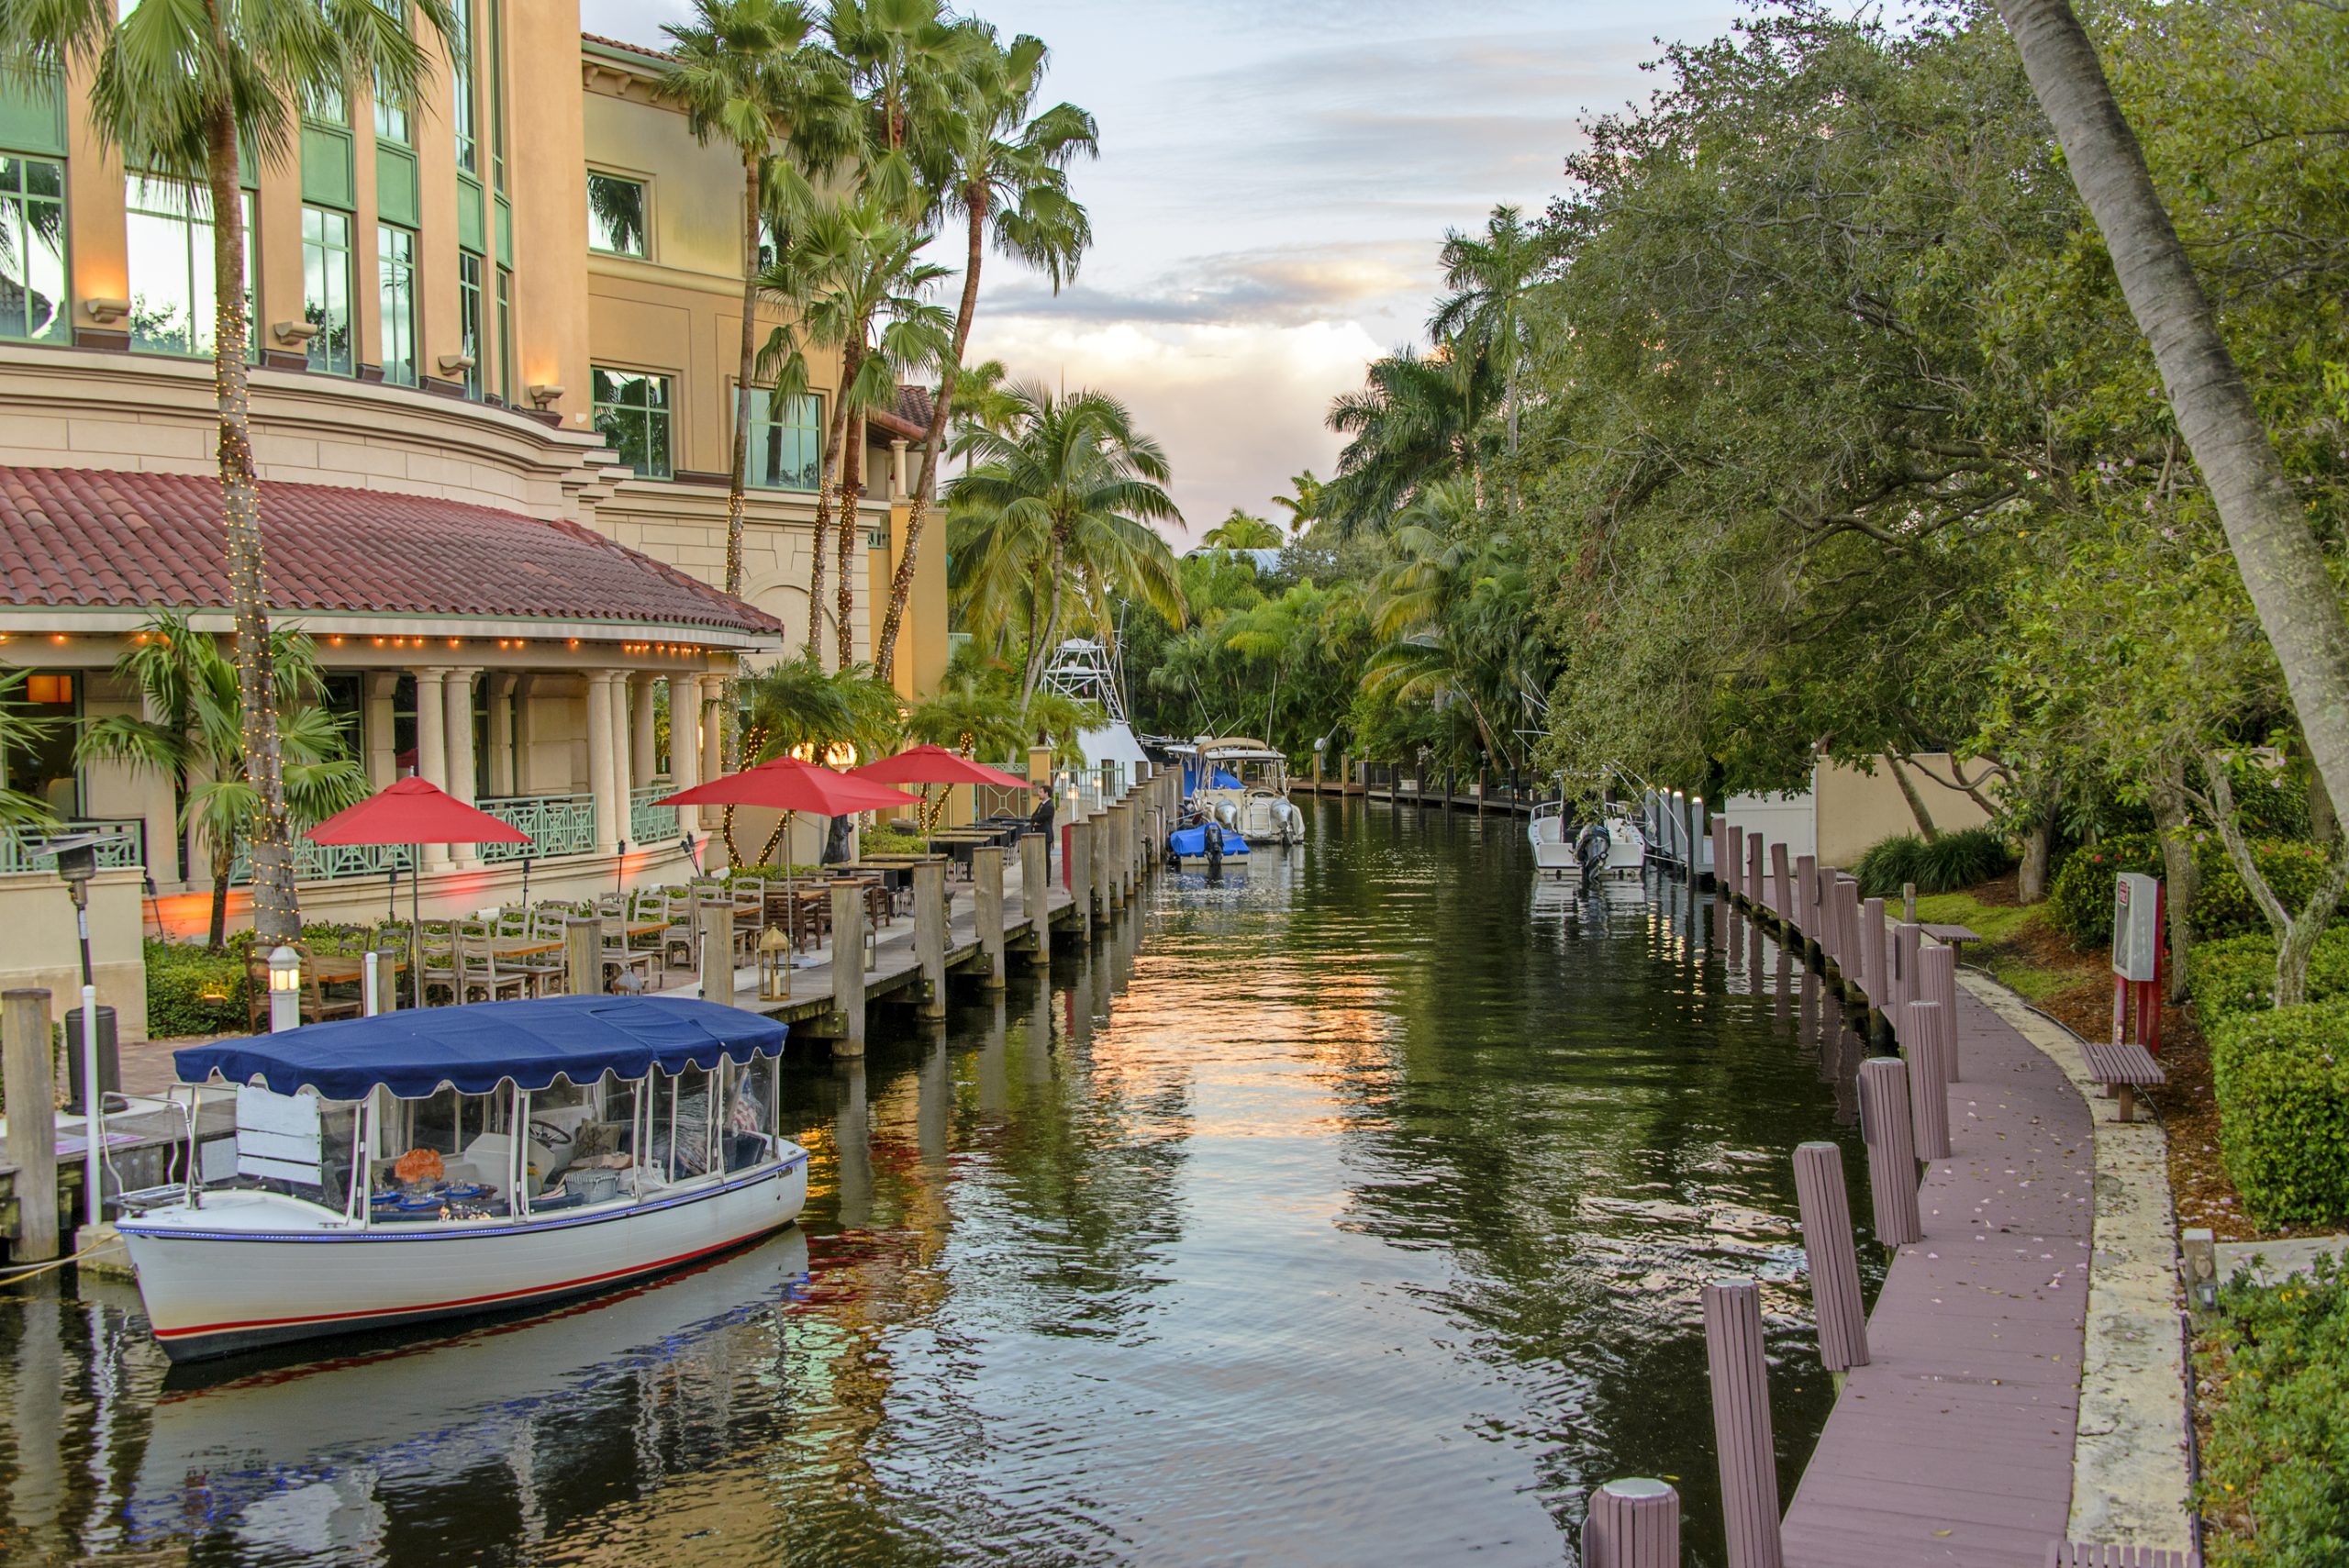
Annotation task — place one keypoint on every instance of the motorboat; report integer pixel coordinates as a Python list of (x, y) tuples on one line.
[(419, 1165), (1554, 850), (1191, 848), (1244, 784), (1612, 845)]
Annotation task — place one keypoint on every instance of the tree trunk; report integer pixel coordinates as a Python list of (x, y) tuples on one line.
[(2281, 564), (2181, 879), (2324, 823), (2038, 849), (731, 702), (218, 937), (1044, 640), (901, 584), (2296, 935), (277, 911), (835, 435), (1916, 801), (852, 491)]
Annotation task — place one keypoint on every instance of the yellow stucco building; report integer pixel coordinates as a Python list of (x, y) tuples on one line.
[(508, 314)]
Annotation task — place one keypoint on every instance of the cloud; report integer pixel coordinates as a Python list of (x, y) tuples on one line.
[(1283, 284)]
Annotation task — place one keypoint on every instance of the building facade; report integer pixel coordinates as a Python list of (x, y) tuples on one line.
[(514, 301)]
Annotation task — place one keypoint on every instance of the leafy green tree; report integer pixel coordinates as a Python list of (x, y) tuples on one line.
[(186, 88), (1492, 277), (1241, 530), (191, 686), (1303, 503), (20, 731), (1414, 420), (796, 707)]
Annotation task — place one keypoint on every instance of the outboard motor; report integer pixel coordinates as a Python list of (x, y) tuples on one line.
[(1215, 851), (1591, 849), (1226, 814)]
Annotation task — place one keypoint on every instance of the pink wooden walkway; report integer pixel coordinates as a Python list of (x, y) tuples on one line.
[(1954, 1446)]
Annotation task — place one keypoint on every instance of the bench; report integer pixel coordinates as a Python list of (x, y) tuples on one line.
[(2122, 1068), (1955, 936), (2085, 1555)]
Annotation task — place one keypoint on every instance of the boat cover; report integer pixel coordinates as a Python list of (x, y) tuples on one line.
[(476, 1048), (1218, 778), (1191, 843)]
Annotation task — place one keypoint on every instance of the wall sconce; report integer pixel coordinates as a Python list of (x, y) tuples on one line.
[(545, 394), (295, 334), (456, 364), (106, 312)]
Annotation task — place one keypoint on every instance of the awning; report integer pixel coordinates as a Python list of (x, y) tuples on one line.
[(476, 1048)]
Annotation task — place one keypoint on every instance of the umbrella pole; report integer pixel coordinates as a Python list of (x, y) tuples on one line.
[(416, 923)]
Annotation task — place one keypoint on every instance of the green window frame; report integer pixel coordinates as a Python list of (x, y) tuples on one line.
[(632, 413), (616, 220), (496, 94), (506, 336), (785, 451), (461, 116), (469, 336), (35, 287), (327, 291), (169, 225), (395, 302)]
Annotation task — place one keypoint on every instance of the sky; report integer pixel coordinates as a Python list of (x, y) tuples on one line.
[(1273, 183)]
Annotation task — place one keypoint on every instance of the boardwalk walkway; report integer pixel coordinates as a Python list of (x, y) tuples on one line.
[(1954, 1445)]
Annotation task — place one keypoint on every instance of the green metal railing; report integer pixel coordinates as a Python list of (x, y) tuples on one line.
[(648, 823), (21, 848), (557, 824)]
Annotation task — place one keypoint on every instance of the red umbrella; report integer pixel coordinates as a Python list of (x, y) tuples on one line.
[(414, 812), (936, 764), (788, 784)]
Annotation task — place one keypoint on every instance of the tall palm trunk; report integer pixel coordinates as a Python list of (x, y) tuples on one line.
[(1048, 637), (277, 912), (827, 482), (901, 584), (852, 492), (746, 358), (2282, 567)]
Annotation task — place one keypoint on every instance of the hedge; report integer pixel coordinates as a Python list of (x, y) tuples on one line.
[(1945, 865), (2279, 1424), (2079, 901), (2282, 1078), (192, 990), (2237, 975)]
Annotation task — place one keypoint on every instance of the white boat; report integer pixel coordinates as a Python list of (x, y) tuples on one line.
[(1613, 846), (374, 1177), (1553, 852), (1244, 784)]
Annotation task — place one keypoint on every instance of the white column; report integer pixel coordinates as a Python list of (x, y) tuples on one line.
[(645, 765), (684, 732), (501, 733), (431, 748), (623, 772), (599, 760), (376, 727), (713, 728), (457, 711)]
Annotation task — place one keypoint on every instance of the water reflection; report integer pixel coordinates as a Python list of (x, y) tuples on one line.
[(1352, 1208)]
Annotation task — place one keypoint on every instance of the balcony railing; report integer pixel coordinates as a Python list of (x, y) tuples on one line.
[(21, 848), (329, 862), (557, 824), (648, 823)]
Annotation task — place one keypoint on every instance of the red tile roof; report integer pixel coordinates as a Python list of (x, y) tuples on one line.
[(97, 539)]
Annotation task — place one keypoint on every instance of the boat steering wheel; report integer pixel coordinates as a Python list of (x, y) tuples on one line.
[(548, 1133)]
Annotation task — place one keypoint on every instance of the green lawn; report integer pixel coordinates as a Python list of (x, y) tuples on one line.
[(2006, 950)]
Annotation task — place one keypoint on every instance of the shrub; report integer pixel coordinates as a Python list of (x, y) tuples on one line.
[(2282, 1078), (1945, 865), (2237, 975), (2079, 901), (887, 839), (193, 990), (2279, 1424)]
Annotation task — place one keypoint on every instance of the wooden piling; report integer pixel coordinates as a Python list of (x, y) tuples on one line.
[(1937, 982), (1105, 867), (1733, 860), (1757, 892), (1036, 893), (1824, 930), (986, 894), (1079, 872), (1873, 979), (1906, 938), (1781, 897), (848, 967), (929, 936), (1921, 1037), (1803, 908), (1748, 1459), (31, 1078), (1631, 1523), (1886, 1128), (1831, 1255), (583, 960)]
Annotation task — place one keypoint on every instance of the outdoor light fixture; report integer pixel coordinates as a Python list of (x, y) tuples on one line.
[(545, 394), (284, 989), (106, 312), (77, 865), (775, 965)]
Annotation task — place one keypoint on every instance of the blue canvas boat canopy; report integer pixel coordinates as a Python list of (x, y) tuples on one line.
[(476, 1048)]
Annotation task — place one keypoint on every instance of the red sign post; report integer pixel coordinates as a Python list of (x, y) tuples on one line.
[(2137, 909)]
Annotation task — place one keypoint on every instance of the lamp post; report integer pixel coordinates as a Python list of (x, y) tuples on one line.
[(284, 989), (77, 864)]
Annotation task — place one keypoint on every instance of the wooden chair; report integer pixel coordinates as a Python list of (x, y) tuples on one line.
[(478, 969), (319, 1005), (435, 960), (633, 966), (677, 942)]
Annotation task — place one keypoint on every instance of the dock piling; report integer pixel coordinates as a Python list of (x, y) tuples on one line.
[(1078, 870), (1873, 979), (1781, 898), (583, 960), (1922, 1035), (1036, 893), (1756, 893), (1748, 1459), (1631, 1523), (929, 936), (848, 967), (986, 891), (30, 1078), (1937, 982), (1906, 939), (1832, 1256), (1886, 1128)]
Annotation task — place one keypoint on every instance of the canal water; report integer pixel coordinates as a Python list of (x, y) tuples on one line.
[(1355, 1210)]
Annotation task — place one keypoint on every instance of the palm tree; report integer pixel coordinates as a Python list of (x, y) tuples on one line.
[(744, 74), (1065, 499), (796, 707), (21, 731), (1414, 420), (184, 89), (2267, 527), (863, 291), (1493, 280), (1008, 175), (908, 57), (1243, 530), (1303, 504), (194, 738)]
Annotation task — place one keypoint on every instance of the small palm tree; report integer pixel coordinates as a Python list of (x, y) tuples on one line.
[(184, 89), (1414, 421), (1243, 530), (795, 708), (1064, 501), (1303, 504), (191, 686), (21, 731)]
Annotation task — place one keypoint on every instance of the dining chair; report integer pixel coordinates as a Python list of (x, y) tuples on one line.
[(477, 966)]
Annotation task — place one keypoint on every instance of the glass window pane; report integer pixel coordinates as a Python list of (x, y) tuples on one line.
[(325, 289), (615, 215), (785, 444), (631, 412), (468, 318), (396, 284), (460, 51), (169, 225), (32, 252)]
